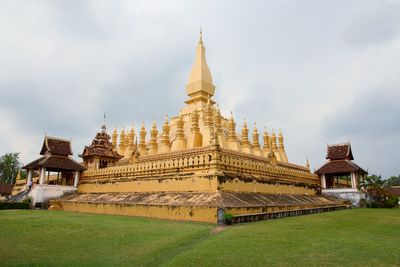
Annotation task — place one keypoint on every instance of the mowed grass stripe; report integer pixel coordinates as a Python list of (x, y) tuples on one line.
[(47, 238), (362, 237)]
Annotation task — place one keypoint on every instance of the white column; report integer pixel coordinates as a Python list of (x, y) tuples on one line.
[(323, 181), (353, 180), (30, 174), (76, 179), (42, 175)]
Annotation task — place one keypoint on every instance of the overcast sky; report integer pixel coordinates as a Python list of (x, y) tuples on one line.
[(323, 71)]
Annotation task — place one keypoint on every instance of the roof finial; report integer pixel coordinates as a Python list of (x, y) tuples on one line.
[(103, 127), (201, 37)]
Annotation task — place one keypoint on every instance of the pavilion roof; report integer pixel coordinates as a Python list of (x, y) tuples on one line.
[(339, 166), (56, 163), (56, 146), (339, 151)]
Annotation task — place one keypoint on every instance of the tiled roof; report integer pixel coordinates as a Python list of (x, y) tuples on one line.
[(394, 190), (341, 151), (210, 199), (339, 166), (56, 146), (6, 189), (55, 163), (101, 146)]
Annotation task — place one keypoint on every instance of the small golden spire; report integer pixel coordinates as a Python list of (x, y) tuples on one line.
[(114, 138), (153, 139), (165, 143), (142, 141), (273, 141), (266, 141), (280, 139), (246, 147)]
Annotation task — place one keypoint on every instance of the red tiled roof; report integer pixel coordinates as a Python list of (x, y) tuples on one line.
[(341, 151), (56, 146), (339, 166), (6, 189), (394, 190)]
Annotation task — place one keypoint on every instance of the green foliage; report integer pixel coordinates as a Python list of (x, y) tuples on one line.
[(14, 206), (373, 181), (9, 166), (228, 218), (362, 203), (391, 202), (27, 200), (392, 181)]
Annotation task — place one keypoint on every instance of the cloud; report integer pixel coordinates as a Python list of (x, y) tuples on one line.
[(373, 114), (321, 71)]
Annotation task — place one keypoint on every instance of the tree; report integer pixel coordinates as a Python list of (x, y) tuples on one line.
[(373, 186), (9, 166), (372, 181), (392, 181)]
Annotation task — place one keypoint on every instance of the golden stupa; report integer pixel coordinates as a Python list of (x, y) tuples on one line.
[(195, 167)]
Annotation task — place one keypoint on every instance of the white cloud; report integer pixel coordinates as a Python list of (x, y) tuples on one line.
[(287, 64)]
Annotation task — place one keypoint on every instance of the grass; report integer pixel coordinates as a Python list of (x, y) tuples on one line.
[(362, 237)]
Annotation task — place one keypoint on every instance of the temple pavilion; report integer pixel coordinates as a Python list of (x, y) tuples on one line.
[(55, 157), (340, 176), (196, 166)]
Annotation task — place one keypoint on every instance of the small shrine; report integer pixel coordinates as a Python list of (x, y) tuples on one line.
[(340, 175), (101, 153)]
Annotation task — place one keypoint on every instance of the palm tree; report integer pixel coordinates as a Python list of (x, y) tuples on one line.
[(373, 187)]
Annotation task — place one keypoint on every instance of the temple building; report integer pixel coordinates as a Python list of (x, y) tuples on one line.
[(340, 176), (197, 166), (101, 153), (57, 172)]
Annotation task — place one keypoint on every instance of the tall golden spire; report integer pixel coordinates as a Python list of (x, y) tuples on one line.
[(153, 146), (200, 84)]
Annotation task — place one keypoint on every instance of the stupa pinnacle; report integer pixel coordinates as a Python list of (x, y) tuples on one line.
[(200, 84)]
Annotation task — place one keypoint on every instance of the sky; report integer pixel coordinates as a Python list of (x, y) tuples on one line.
[(325, 72)]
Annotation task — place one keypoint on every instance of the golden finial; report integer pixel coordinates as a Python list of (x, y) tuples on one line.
[(201, 37), (308, 163), (244, 123)]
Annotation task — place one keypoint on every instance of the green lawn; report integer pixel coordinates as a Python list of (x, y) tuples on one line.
[(363, 237)]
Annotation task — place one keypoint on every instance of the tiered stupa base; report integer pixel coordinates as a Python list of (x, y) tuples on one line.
[(195, 206)]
